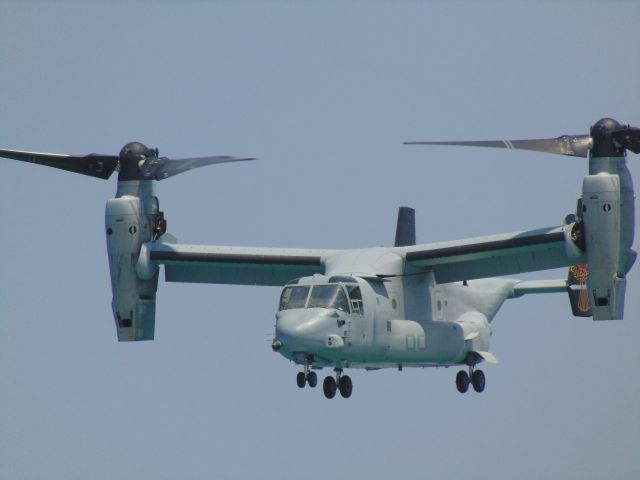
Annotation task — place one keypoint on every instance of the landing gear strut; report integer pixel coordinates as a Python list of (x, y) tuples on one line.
[(307, 377), (475, 377), (331, 385), (340, 382)]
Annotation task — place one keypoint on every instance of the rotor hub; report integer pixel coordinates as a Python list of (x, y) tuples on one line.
[(603, 142), (132, 157)]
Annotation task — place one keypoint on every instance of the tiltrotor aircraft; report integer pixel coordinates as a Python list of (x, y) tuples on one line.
[(403, 306)]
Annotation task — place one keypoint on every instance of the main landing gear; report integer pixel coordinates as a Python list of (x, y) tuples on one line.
[(475, 377), (330, 385), (340, 382)]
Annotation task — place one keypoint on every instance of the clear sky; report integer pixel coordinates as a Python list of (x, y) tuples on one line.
[(323, 93)]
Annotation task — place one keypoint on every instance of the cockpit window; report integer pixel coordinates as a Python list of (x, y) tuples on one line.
[(355, 298), (322, 296), (329, 296), (294, 297)]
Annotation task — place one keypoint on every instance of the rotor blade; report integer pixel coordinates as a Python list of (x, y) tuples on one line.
[(167, 167), (571, 145), (628, 138), (94, 165)]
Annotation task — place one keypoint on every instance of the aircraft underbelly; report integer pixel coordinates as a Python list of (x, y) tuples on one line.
[(436, 343), (405, 342)]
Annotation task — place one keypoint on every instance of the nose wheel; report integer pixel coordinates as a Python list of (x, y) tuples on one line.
[(475, 377), (312, 379), (307, 378)]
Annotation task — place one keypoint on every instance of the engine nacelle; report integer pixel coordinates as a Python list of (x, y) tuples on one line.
[(130, 222), (608, 219)]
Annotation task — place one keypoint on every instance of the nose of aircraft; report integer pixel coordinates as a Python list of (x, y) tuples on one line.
[(303, 329)]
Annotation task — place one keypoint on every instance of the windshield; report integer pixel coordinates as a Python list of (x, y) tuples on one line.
[(322, 296), (329, 296), (294, 297)]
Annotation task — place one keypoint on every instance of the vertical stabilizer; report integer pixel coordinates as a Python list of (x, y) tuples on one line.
[(406, 227)]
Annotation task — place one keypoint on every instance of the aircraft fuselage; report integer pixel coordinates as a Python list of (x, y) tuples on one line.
[(362, 322)]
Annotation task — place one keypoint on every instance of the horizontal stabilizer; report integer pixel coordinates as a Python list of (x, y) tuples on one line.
[(539, 286)]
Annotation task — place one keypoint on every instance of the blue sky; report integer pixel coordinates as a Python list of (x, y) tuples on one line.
[(324, 94)]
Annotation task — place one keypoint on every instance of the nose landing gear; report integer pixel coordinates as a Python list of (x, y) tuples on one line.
[(307, 377)]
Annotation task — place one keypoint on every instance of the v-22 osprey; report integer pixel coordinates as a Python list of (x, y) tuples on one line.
[(410, 305)]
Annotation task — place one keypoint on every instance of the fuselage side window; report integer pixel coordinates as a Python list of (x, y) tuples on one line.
[(294, 297), (329, 296), (355, 299)]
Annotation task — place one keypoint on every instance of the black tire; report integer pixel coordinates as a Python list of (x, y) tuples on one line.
[(329, 387), (462, 381), (312, 379), (478, 381), (301, 379), (346, 387)]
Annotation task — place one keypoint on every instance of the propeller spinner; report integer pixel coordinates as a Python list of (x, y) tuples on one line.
[(135, 162), (607, 139)]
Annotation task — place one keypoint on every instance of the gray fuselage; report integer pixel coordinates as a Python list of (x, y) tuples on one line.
[(367, 322)]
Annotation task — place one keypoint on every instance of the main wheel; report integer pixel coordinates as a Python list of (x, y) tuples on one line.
[(301, 379), (329, 387), (346, 387), (312, 379), (478, 381), (462, 381)]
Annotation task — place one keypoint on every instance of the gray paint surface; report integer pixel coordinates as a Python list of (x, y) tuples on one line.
[(324, 96)]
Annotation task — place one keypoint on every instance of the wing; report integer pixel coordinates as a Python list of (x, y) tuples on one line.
[(496, 255), (468, 259), (235, 265)]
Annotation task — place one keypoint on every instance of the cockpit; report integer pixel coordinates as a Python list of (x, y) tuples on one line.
[(339, 296)]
